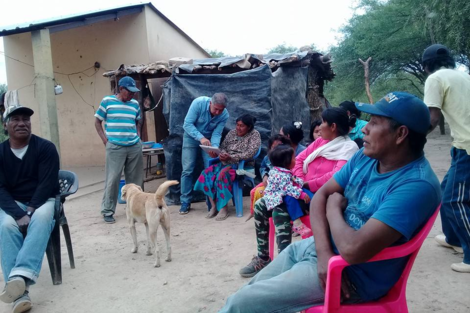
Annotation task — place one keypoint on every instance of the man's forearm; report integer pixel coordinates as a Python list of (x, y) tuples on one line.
[(9, 206), (320, 227), (343, 234), (99, 130), (139, 128), (435, 118)]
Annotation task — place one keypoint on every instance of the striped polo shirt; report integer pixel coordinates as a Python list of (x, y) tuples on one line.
[(120, 120)]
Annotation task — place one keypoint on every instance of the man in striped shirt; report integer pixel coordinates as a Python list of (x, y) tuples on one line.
[(121, 136)]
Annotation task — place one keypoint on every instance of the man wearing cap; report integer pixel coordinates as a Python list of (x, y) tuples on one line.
[(29, 182), (447, 90), (383, 196), (123, 122), (203, 125)]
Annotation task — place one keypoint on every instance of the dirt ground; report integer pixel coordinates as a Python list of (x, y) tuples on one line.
[(206, 258)]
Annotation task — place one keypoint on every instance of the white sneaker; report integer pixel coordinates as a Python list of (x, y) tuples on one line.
[(14, 289), (461, 267), (441, 239), (22, 304)]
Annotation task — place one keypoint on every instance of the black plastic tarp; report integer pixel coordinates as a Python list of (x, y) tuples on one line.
[(275, 99), (289, 87), (248, 92)]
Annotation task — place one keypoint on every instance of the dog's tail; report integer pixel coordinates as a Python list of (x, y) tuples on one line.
[(161, 191)]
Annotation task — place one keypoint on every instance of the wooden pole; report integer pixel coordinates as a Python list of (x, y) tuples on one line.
[(366, 78), (45, 95)]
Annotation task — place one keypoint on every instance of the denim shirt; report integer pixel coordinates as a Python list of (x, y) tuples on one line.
[(199, 123)]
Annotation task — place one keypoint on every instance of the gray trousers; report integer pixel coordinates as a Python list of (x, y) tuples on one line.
[(117, 159)]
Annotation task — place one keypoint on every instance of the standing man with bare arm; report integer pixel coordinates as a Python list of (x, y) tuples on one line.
[(447, 90), (123, 119)]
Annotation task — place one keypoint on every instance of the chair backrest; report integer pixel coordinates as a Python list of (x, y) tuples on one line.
[(410, 248), (257, 153), (396, 295), (68, 183)]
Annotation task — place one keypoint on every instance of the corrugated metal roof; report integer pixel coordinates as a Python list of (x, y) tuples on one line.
[(240, 63), (47, 23)]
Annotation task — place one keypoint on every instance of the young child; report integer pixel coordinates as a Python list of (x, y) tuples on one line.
[(282, 182), (257, 192)]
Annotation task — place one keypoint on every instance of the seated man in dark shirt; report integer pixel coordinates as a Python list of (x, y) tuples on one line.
[(29, 172)]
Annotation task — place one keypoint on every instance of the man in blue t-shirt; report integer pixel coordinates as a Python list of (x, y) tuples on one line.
[(382, 197), (121, 137), (203, 125)]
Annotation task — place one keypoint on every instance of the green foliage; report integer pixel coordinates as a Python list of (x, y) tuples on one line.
[(216, 53), (283, 48), (395, 33), (3, 137), (3, 88), (449, 21)]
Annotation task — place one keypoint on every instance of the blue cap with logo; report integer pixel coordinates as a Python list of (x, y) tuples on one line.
[(405, 108), (128, 83)]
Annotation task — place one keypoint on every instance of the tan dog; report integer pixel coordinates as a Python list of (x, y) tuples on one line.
[(151, 210)]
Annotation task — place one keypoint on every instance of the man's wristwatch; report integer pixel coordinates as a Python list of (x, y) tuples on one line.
[(29, 213)]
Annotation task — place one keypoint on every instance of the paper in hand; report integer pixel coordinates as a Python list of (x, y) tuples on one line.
[(210, 149)]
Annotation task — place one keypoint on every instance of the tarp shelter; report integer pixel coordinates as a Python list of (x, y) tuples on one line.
[(273, 88)]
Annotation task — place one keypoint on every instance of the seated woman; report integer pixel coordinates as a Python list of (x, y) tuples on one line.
[(355, 131), (324, 157), (315, 166), (216, 181), (294, 132), (315, 131)]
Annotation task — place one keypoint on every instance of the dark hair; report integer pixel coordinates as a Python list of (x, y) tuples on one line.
[(435, 64), (416, 140), (281, 156), (340, 117), (312, 128), (278, 137), (248, 120), (351, 107), (294, 131), (359, 142)]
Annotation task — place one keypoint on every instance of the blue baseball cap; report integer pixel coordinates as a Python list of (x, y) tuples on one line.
[(128, 83), (405, 108)]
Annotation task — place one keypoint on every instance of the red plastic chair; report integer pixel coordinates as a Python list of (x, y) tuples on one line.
[(272, 233), (395, 300)]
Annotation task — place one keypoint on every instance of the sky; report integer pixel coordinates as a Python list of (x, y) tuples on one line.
[(233, 27)]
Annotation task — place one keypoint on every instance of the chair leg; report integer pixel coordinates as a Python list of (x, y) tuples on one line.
[(53, 255), (238, 197), (68, 241)]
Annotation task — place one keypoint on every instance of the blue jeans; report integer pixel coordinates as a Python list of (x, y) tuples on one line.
[(288, 284), (23, 256), (455, 211), (188, 160), (294, 206)]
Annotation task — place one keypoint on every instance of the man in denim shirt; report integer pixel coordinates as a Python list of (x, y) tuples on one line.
[(203, 125)]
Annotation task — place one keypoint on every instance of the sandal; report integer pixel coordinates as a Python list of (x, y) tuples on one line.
[(303, 230)]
